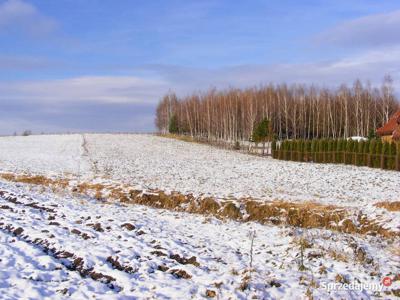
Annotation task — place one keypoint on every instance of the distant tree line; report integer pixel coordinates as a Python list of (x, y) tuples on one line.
[(293, 112), (24, 133), (372, 153)]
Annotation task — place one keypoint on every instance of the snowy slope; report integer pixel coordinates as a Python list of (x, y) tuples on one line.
[(51, 155), (192, 168), (59, 244), (150, 252), (171, 165)]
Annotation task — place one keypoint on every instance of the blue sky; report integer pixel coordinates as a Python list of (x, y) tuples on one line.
[(102, 65)]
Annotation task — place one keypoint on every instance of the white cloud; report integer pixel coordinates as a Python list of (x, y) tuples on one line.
[(371, 65), (128, 102), (17, 15), (102, 89), (373, 30)]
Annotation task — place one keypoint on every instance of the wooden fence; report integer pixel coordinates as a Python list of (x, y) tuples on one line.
[(247, 147)]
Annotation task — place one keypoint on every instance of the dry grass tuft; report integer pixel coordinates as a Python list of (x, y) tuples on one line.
[(341, 278), (390, 206), (305, 215), (85, 187), (245, 283), (231, 211), (338, 256), (36, 179)]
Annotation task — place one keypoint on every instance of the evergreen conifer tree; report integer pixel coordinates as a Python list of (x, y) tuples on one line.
[(372, 152), (366, 152), (398, 156), (314, 150), (273, 149), (385, 155), (392, 156), (261, 133), (360, 153), (301, 150), (378, 154), (334, 150), (173, 125), (343, 149)]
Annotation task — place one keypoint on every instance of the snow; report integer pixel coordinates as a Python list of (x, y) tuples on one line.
[(358, 138), (149, 162), (58, 155), (221, 249), (170, 165), (32, 265)]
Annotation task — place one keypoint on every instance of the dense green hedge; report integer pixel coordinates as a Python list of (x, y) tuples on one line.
[(372, 153)]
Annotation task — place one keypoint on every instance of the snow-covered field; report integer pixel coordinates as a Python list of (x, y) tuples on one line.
[(59, 244), (51, 155), (171, 165), (205, 254), (192, 168)]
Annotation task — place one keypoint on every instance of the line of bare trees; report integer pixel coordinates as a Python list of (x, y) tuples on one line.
[(295, 111)]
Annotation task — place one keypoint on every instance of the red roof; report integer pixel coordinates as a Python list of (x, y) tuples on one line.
[(392, 127)]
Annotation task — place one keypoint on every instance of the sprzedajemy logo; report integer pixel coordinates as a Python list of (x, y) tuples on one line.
[(358, 286)]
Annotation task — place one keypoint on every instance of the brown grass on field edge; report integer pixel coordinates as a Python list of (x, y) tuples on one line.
[(304, 215), (36, 179), (184, 138), (390, 206)]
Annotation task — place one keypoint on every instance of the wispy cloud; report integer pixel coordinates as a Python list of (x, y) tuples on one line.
[(155, 80), (116, 103), (193, 49), (370, 65), (75, 117), (97, 89), (370, 31), (20, 16)]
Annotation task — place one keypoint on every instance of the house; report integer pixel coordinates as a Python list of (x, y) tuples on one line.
[(391, 130)]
